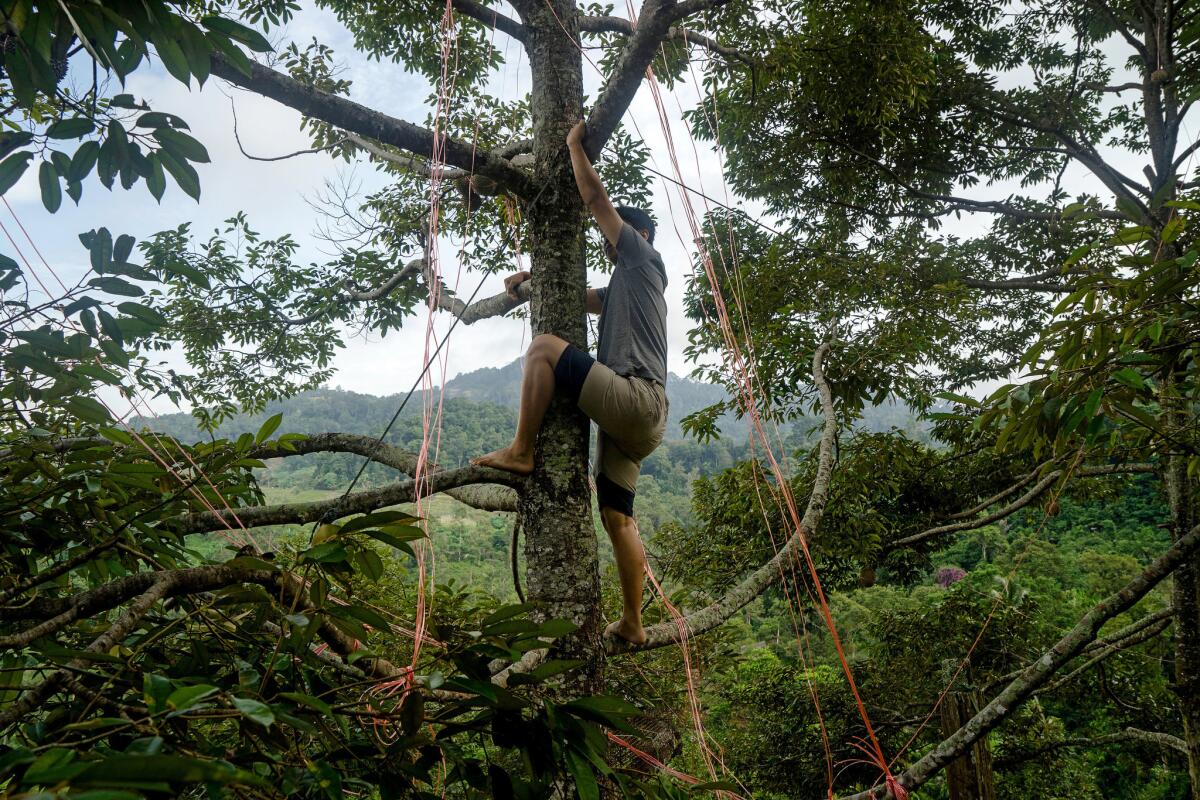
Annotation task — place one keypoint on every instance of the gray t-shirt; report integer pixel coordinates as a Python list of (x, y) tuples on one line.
[(633, 318)]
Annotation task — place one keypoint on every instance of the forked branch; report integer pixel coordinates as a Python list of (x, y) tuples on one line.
[(355, 118)]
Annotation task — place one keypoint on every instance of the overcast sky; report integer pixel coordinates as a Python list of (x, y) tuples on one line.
[(274, 196)]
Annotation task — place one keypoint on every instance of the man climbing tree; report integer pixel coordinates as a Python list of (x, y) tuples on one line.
[(622, 390)]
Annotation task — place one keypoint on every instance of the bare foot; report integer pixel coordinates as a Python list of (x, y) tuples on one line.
[(634, 634), (507, 460)]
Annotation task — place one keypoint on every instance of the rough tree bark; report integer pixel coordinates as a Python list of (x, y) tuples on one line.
[(1185, 599), (562, 572)]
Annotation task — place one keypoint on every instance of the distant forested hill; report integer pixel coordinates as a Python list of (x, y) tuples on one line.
[(479, 414), (502, 385)]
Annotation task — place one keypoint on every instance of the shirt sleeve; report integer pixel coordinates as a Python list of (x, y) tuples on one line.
[(632, 247), (600, 292)]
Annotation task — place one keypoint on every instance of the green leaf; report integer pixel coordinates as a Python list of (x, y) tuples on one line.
[(370, 564), (544, 671), (51, 190), (181, 144), (115, 285), (11, 140), (392, 541), (1172, 229), (555, 628), (506, 612), (327, 553), (554, 667), (961, 399), (187, 696), (585, 780), (110, 327), (365, 615), (183, 173), (117, 436), (308, 700), (157, 119), (71, 128), (1130, 377), (173, 59), (88, 410), (268, 428), (236, 56), (83, 161), (156, 181), (239, 32), (12, 168), (99, 245), (379, 519), (55, 765), (183, 270), (714, 786), (123, 248), (254, 710), (604, 704)]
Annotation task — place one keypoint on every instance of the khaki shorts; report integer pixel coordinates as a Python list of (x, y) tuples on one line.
[(632, 415)]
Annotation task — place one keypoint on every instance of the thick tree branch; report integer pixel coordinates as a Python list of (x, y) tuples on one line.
[(1038, 673), (1144, 635), (527, 663), (1182, 158), (492, 18), (420, 166), (1116, 181), (967, 203), (1117, 89), (675, 33), (485, 498), (1135, 633), (1030, 284), (129, 619), (494, 306), (653, 25), (359, 119), (1163, 740), (1021, 502), (151, 587), (384, 289), (717, 613), (192, 580), (357, 503), (996, 498), (409, 162)]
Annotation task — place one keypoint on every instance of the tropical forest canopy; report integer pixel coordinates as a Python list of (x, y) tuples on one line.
[(925, 521)]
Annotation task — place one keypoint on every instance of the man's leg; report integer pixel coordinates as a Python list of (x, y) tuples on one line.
[(537, 390), (631, 567), (616, 482)]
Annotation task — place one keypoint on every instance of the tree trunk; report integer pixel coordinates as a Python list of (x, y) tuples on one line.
[(970, 777), (560, 541), (1186, 601)]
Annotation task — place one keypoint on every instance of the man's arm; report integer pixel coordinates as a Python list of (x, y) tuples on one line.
[(591, 189), (595, 301)]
